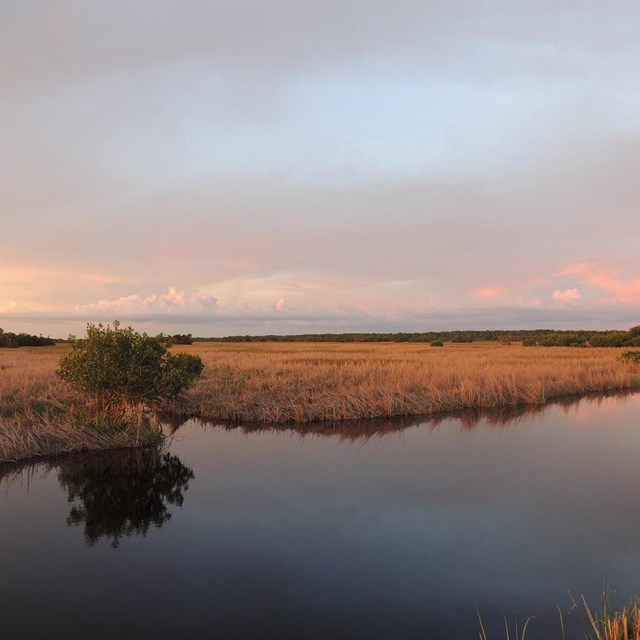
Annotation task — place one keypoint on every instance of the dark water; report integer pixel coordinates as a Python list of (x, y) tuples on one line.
[(374, 530)]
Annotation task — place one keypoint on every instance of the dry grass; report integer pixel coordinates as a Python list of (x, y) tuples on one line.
[(42, 436), (42, 416), (606, 623), (609, 623), (306, 382), (279, 382)]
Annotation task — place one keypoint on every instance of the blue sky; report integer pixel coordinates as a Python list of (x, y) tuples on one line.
[(286, 167)]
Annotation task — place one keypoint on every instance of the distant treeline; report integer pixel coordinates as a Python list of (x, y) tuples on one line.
[(10, 340), (528, 337)]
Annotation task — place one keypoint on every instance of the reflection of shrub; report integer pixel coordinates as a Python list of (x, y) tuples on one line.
[(437, 343), (124, 493), (121, 365), (631, 356)]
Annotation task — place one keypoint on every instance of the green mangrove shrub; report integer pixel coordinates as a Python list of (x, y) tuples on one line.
[(631, 356), (114, 365)]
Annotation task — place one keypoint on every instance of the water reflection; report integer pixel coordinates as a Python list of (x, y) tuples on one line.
[(378, 529), (115, 494), (366, 429)]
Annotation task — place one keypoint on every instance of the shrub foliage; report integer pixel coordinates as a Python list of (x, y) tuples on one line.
[(114, 364), (631, 356)]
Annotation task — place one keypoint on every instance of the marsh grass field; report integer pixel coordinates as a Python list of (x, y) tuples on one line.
[(276, 382), (308, 382)]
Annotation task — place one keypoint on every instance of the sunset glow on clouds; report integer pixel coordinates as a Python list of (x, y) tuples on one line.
[(567, 296), (616, 289), (490, 292), (291, 167), (171, 302)]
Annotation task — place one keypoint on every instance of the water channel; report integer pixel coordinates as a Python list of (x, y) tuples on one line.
[(375, 530)]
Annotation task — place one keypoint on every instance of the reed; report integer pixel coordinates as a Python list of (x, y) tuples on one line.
[(40, 436), (280, 382), (308, 382), (510, 632), (605, 623), (41, 416), (609, 623)]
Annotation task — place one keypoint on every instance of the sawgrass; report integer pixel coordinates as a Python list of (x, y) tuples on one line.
[(280, 382), (303, 382), (42, 416), (606, 623)]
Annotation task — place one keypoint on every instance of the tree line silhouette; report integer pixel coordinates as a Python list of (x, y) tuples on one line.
[(528, 337), (10, 340)]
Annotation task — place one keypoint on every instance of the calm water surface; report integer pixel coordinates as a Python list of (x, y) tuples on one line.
[(379, 530)]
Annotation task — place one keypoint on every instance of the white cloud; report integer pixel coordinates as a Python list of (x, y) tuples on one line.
[(568, 296), (170, 302)]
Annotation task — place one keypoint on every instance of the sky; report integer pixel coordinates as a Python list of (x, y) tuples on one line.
[(292, 166)]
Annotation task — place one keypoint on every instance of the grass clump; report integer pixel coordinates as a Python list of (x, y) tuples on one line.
[(609, 623), (514, 632), (104, 395), (606, 623)]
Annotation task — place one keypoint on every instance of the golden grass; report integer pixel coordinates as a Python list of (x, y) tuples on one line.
[(279, 382), (609, 623), (306, 382), (606, 623), (41, 416)]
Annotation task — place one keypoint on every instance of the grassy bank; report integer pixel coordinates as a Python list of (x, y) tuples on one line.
[(42, 416), (280, 382), (38, 436), (276, 382)]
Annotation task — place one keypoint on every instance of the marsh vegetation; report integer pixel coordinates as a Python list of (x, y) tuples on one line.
[(279, 382), (110, 383), (275, 382)]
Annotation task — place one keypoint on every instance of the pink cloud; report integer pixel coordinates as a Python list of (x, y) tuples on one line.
[(568, 296), (173, 300), (281, 305), (490, 292), (622, 291)]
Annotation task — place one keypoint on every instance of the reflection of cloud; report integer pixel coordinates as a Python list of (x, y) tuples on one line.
[(171, 301), (567, 296)]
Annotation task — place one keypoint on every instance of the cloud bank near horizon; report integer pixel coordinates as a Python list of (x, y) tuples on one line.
[(277, 167)]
